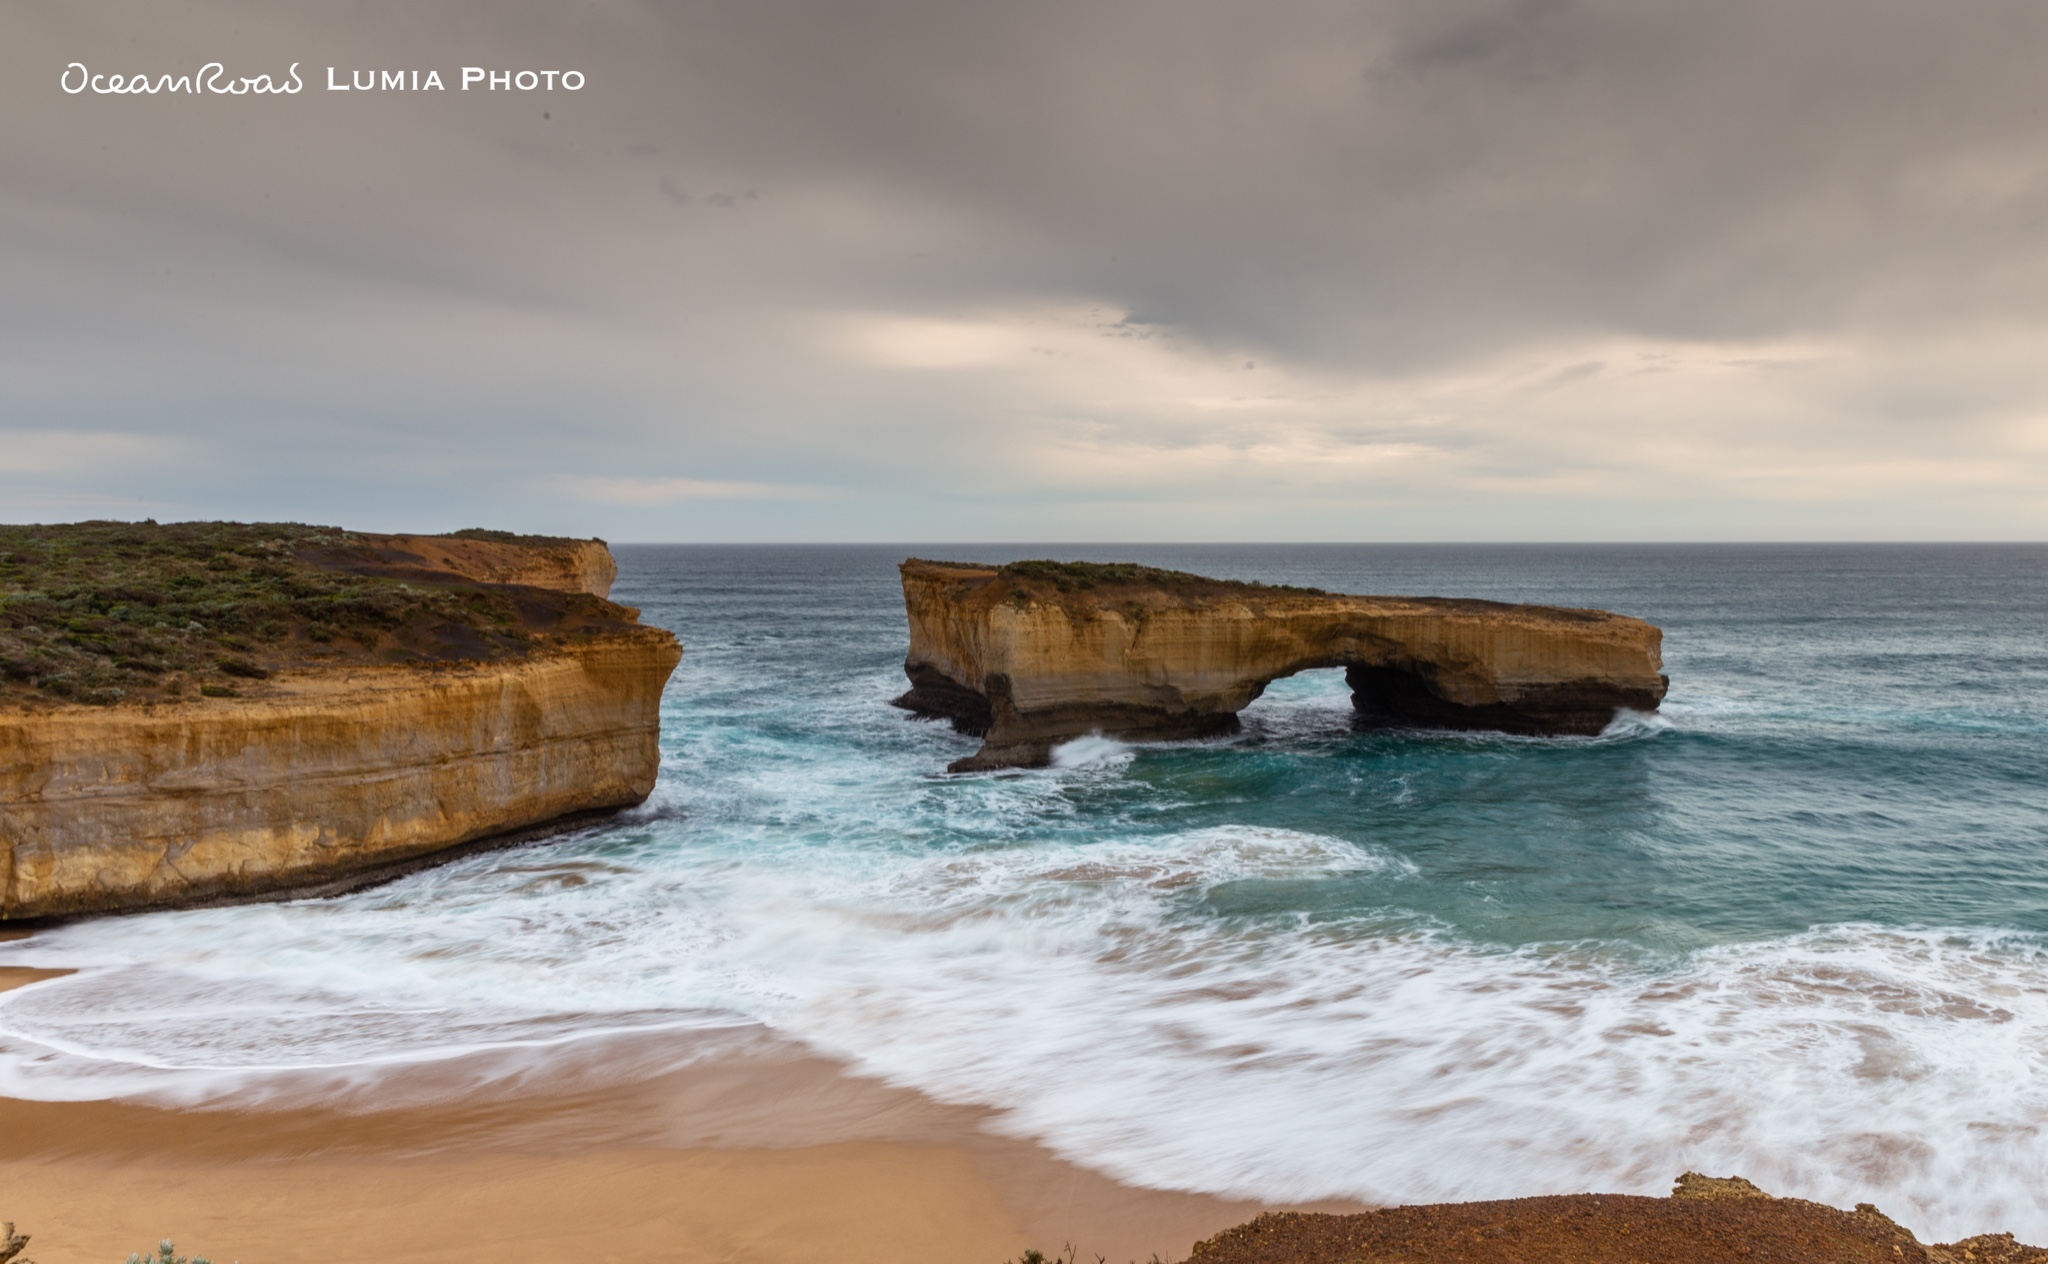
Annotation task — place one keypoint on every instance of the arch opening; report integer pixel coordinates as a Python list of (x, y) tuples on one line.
[(1312, 703)]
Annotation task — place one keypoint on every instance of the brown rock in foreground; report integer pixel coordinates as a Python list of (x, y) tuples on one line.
[(527, 705), (1705, 1221), (1035, 653)]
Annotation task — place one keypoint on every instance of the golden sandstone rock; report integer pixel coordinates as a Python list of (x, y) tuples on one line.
[(331, 774), (1036, 653)]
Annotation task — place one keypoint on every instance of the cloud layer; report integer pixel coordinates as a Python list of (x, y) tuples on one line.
[(1382, 269)]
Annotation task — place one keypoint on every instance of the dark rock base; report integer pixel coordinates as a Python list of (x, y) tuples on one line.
[(1387, 697), (1384, 698)]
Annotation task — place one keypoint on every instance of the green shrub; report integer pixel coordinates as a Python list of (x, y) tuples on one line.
[(11, 1244), (513, 537)]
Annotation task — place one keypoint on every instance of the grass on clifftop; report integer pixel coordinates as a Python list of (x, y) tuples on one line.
[(112, 612), (1079, 576), (513, 537)]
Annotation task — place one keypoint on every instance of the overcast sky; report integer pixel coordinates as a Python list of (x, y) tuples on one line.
[(1102, 270)]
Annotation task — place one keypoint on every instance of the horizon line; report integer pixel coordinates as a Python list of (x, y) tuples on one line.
[(1089, 544)]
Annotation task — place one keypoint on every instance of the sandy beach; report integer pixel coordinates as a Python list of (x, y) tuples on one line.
[(778, 1158)]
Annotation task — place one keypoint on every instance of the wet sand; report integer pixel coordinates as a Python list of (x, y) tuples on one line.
[(756, 1153), (12, 977)]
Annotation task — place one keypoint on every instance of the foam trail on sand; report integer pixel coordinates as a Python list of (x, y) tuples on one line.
[(1082, 988)]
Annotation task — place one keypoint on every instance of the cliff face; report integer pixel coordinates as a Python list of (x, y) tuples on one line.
[(314, 772), (330, 775), (1036, 654)]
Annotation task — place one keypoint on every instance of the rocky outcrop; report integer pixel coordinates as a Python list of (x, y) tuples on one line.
[(491, 557), (329, 775), (1033, 654), (1706, 1220)]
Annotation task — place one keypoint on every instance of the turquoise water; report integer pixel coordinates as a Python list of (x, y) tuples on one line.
[(1857, 734), (1793, 926)]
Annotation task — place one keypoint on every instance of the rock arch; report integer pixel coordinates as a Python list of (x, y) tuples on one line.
[(1035, 653)]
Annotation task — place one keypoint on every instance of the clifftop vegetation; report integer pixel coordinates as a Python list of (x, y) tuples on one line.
[(118, 612), (1079, 576)]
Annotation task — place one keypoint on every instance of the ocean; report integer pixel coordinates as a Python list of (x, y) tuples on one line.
[(1794, 926)]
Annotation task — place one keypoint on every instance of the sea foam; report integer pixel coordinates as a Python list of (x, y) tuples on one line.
[(1110, 1000)]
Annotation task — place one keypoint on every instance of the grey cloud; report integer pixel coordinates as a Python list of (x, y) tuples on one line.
[(1392, 187), (1485, 37), (1400, 178)]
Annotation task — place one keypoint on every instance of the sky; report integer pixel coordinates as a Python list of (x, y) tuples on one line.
[(1102, 270)]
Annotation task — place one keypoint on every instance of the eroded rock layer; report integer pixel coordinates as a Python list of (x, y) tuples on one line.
[(1036, 653), (317, 773)]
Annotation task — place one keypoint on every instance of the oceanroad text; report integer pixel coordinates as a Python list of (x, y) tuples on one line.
[(213, 78)]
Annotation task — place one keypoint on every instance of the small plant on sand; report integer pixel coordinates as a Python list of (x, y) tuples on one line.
[(12, 1243), (167, 1253), (1068, 1256)]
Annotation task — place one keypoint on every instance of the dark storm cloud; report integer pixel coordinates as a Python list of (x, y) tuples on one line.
[(1491, 35), (1427, 177), (1309, 173), (491, 282)]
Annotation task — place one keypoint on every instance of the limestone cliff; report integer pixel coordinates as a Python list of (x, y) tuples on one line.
[(329, 775), (433, 734), (1033, 654)]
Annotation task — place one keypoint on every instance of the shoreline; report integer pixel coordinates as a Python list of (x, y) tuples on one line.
[(754, 1149), (771, 1154)]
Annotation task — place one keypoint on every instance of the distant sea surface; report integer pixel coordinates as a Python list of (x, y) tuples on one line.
[(1795, 926)]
